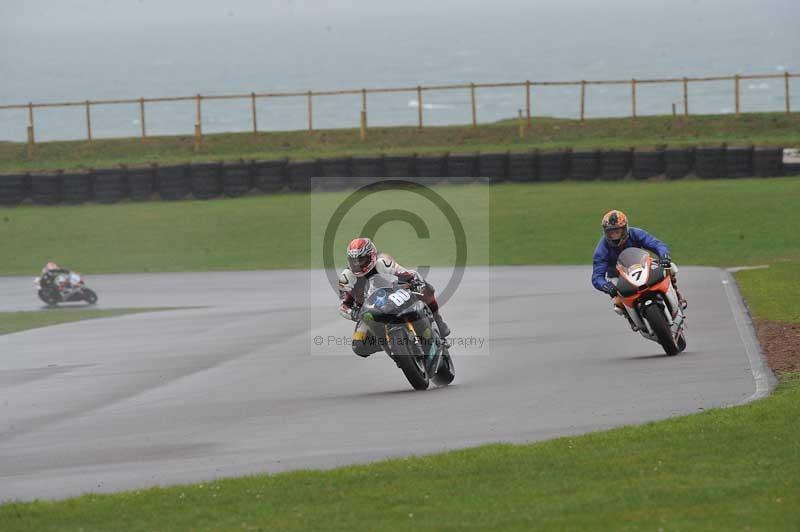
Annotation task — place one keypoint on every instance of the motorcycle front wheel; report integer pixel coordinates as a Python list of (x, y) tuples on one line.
[(407, 359), (655, 317), (50, 301)]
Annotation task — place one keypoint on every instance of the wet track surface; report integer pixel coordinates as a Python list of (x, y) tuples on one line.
[(237, 386)]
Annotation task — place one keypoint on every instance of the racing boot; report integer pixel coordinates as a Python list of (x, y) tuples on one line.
[(444, 330)]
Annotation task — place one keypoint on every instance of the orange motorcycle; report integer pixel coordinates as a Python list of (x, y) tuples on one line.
[(648, 296)]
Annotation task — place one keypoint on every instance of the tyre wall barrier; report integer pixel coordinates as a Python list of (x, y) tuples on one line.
[(492, 167), (141, 183), (45, 189), (399, 166), (615, 164), (584, 165), (647, 164), (109, 185), (709, 163), (173, 182), (768, 162), (13, 188), (678, 162), (76, 188), (299, 174), (270, 176), (462, 167), (365, 170), (738, 162), (430, 169), (335, 172), (522, 167), (237, 178), (206, 180), (553, 166)]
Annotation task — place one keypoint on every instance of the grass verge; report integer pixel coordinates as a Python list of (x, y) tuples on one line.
[(11, 322), (776, 129), (725, 469), (724, 222)]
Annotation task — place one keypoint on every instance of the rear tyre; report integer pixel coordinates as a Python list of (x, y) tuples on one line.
[(89, 296), (655, 317), (447, 371), (407, 359), (681, 342)]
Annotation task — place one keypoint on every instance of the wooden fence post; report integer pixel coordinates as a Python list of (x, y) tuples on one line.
[(310, 112), (363, 115), (737, 94), (521, 124), (474, 108), (31, 130), (674, 114), (419, 107), (685, 97), (786, 87), (583, 99), (198, 125), (253, 111), (528, 102), (142, 118), (88, 122), (633, 99)]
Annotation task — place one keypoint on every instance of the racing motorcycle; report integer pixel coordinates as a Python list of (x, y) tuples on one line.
[(65, 287), (404, 327), (645, 289)]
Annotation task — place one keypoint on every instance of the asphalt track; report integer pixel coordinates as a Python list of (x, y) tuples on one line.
[(236, 385)]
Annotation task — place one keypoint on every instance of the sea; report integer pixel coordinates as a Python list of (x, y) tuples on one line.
[(74, 50)]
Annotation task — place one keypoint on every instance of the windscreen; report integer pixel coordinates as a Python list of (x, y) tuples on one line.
[(632, 257)]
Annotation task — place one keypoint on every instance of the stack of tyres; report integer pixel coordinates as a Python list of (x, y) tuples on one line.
[(430, 169), (173, 181), (366, 170), (585, 165), (300, 173), (678, 162), (237, 178), (647, 164), (206, 180), (13, 188), (76, 188), (615, 164), (768, 162), (141, 182), (399, 166), (462, 167), (522, 167), (336, 173), (109, 185), (709, 163), (493, 167), (553, 166), (270, 176), (46, 188), (739, 162)]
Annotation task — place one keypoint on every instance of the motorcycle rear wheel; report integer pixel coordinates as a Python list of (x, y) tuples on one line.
[(89, 296), (655, 317), (447, 371)]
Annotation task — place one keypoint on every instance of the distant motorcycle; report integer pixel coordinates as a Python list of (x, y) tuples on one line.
[(404, 326), (645, 289), (64, 288)]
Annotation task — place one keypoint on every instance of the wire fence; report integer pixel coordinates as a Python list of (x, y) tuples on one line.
[(527, 100)]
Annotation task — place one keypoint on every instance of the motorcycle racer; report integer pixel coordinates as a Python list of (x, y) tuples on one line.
[(617, 236), (363, 261)]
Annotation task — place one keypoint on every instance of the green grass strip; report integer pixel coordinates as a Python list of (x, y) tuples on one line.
[(11, 322), (778, 129)]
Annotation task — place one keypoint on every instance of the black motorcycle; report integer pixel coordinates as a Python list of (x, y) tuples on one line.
[(404, 327)]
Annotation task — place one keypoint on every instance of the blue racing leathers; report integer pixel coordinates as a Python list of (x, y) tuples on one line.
[(605, 255)]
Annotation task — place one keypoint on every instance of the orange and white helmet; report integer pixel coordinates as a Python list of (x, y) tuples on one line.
[(362, 255), (615, 228), (50, 266)]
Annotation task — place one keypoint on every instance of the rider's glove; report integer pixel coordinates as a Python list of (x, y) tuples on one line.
[(350, 313), (610, 289), (665, 262)]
